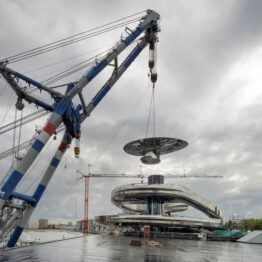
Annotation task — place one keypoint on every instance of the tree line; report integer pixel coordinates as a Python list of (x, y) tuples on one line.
[(245, 224)]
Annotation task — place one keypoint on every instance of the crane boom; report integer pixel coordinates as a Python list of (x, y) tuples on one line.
[(139, 176), (123, 175)]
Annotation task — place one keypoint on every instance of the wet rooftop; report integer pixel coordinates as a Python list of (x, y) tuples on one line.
[(107, 248)]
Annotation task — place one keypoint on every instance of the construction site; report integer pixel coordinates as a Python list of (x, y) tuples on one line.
[(151, 205), (157, 209)]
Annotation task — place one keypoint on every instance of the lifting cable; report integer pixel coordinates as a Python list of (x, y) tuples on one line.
[(72, 69), (10, 151), (15, 153), (55, 78), (154, 112), (2, 90), (69, 42), (73, 39), (10, 102), (14, 137), (19, 134), (69, 71), (69, 58), (75, 68), (24, 120), (120, 127), (151, 111), (66, 73)]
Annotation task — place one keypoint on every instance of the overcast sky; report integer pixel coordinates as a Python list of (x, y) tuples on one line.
[(208, 93)]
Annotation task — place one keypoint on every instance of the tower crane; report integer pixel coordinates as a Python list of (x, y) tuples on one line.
[(16, 208), (86, 197), (89, 175)]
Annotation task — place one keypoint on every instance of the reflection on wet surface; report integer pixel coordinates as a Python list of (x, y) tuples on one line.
[(106, 248)]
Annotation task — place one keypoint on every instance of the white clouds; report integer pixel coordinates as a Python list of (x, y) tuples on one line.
[(246, 75)]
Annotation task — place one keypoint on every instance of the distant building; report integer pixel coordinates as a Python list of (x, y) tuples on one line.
[(43, 223)]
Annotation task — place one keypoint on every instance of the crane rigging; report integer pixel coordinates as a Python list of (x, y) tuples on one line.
[(119, 23), (24, 120), (16, 208)]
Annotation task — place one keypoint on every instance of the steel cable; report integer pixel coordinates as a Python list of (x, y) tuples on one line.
[(68, 43), (73, 69), (20, 133), (72, 39), (26, 119), (90, 30), (14, 137)]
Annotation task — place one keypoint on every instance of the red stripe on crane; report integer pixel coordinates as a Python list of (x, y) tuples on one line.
[(49, 129), (62, 147)]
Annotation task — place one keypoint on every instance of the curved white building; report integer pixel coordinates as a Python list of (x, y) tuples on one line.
[(157, 203)]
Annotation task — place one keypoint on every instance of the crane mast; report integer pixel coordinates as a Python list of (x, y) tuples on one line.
[(86, 200), (85, 231), (15, 215)]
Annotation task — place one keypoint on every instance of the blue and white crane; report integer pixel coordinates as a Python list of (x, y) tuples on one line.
[(14, 214)]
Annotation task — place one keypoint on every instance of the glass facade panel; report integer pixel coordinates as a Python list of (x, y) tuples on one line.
[(154, 206)]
